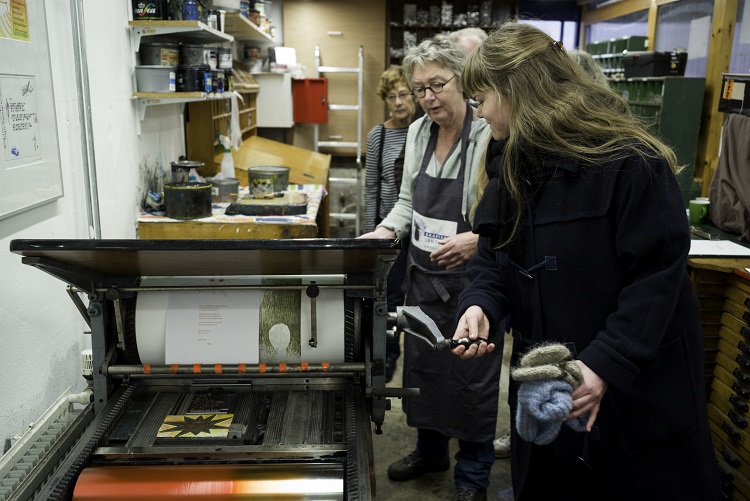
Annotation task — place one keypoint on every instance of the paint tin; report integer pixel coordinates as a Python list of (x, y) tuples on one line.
[(224, 56), (192, 78), (192, 54), (187, 200), (224, 189), (181, 170), (210, 57), (150, 10), (267, 179), (161, 54), (190, 10)]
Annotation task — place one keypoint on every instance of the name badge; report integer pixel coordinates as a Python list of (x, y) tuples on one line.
[(426, 232)]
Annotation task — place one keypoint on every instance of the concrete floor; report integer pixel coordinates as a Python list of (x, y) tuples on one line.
[(398, 440)]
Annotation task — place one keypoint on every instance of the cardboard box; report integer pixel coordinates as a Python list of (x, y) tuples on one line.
[(654, 64), (735, 93)]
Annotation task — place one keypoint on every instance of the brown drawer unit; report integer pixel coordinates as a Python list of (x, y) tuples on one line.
[(734, 482), (724, 294)]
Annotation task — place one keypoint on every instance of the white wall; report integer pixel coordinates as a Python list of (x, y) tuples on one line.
[(41, 332)]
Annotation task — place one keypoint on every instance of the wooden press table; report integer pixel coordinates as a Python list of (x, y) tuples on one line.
[(307, 168), (222, 227)]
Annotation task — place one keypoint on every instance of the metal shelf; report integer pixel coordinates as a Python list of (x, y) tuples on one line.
[(146, 99), (175, 32)]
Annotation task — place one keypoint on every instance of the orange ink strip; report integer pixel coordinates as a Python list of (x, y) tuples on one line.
[(147, 368), (242, 368), (282, 367), (196, 368), (303, 366), (174, 368), (217, 369), (325, 366), (262, 368)]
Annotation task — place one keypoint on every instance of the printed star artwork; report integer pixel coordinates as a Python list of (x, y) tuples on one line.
[(195, 426)]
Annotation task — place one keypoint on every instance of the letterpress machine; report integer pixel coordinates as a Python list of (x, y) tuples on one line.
[(247, 369)]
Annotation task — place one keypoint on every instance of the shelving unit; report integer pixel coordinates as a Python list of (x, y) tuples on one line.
[(173, 32), (672, 107), (494, 11)]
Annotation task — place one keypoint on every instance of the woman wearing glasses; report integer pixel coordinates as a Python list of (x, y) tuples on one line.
[(443, 155), (584, 241), (384, 144)]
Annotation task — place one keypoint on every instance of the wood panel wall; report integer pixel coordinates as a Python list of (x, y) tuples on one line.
[(340, 28)]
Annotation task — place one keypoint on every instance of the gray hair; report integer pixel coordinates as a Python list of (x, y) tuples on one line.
[(589, 65), (468, 38), (438, 50)]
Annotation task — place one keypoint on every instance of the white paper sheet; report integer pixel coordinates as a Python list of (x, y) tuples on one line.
[(725, 248), (212, 327)]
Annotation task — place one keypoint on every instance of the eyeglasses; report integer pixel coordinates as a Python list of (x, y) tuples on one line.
[(436, 88), (402, 96)]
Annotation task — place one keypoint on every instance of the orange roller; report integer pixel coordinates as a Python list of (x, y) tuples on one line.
[(210, 483)]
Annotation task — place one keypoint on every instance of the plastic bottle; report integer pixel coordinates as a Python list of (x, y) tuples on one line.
[(227, 163)]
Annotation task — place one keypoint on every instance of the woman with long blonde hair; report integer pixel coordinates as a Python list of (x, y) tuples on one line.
[(584, 243)]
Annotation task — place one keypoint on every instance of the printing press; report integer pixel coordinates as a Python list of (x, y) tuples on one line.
[(225, 369)]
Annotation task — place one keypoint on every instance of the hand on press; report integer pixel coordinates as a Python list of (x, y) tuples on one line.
[(473, 324)]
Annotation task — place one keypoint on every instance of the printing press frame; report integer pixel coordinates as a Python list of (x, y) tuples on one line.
[(124, 392)]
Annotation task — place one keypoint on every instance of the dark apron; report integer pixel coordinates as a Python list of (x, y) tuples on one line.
[(457, 397)]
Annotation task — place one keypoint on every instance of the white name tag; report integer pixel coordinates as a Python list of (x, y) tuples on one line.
[(426, 232)]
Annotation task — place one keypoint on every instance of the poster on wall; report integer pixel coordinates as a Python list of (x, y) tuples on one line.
[(30, 173), (14, 20)]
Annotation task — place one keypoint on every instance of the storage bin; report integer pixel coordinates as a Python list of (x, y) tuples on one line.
[(155, 78), (735, 93), (160, 54), (654, 64)]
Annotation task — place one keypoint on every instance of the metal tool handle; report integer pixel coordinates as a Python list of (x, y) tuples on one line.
[(413, 321)]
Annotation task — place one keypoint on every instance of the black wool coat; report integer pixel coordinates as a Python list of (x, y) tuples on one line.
[(602, 265)]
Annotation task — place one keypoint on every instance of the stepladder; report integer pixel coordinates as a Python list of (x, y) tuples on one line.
[(336, 144)]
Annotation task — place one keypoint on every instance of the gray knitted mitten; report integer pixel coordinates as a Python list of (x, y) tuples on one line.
[(548, 374)]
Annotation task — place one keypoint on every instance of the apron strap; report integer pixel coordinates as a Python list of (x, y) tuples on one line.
[(380, 172), (465, 132)]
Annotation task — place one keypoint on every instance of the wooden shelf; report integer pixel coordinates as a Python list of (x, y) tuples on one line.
[(175, 32), (243, 29)]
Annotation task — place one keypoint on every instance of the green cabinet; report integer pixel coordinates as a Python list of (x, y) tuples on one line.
[(672, 108)]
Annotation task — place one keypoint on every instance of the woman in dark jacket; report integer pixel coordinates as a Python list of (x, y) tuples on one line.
[(584, 241)]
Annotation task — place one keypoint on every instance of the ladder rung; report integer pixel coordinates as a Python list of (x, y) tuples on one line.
[(336, 215), (343, 107), (335, 69), (342, 180), (338, 144)]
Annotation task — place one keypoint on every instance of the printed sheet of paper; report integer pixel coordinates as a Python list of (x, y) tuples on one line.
[(212, 327), (717, 248)]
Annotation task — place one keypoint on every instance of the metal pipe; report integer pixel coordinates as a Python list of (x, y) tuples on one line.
[(84, 110), (233, 369), (229, 287)]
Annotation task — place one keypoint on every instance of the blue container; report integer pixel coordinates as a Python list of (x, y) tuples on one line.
[(189, 10)]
